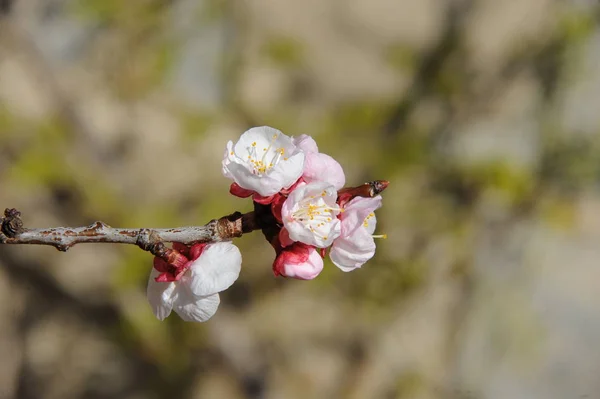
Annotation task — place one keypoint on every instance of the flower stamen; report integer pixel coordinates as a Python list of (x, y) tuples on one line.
[(314, 214), (259, 164)]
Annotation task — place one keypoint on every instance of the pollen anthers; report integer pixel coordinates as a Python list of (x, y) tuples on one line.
[(366, 224), (315, 214), (263, 160), (370, 216)]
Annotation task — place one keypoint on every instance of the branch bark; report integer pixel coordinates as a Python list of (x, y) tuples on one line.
[(63, 238), (152, 240)]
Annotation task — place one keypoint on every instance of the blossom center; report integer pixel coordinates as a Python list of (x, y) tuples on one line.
[(262, 157), (315, 214)]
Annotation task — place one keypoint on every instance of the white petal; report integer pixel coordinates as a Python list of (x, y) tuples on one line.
[(262, 136), (349, 253), (282, 162), (288, 171), (312, 229), (216, 269), (264, 185), (160, 295), (298, 232), (326, 234), (227, 160), (199, 310)]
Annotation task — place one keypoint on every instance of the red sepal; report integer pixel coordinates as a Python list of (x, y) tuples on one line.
[(238, 191)]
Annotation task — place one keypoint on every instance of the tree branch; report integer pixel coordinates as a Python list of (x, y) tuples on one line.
[(153, 240), (63, 238)]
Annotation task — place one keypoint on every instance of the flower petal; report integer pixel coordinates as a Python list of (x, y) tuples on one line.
[(310, 214), (284, 238), (305, 143), (355, 245), (287, 171), (198, 310), (160, 296), (299, 261), (322, 167), (356, 212), (264, 185), (216, 269), (349, 253), (263, 160)]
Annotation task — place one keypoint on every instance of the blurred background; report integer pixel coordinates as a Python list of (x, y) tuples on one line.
[(483, 114)]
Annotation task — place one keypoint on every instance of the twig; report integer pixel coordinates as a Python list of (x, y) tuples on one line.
[(152, 240)]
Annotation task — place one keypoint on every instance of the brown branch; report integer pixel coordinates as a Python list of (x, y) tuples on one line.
[(63, 238), (152, 240)]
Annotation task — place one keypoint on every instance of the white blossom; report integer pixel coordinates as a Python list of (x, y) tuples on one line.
[(310, 214), (263, 160), (194, 297)]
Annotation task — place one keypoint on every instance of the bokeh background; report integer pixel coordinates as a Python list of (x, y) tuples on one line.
[(483, 114)]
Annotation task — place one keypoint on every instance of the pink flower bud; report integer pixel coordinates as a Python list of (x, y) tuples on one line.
[(298, 261)]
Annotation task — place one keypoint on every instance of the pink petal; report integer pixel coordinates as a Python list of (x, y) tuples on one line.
[(299, 261), (196, 251), (355, 246), (276, 206), (322, 167), (356, 211), (161, 265), (182, 249), (305, 143), (284, 238), (263, 200)]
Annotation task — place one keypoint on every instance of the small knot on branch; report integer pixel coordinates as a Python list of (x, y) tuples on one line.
[(161, 250), (12, 225), (229, 226), (146, 238)]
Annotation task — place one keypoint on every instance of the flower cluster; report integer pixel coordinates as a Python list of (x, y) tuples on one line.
[(300, 186), (301, 208)]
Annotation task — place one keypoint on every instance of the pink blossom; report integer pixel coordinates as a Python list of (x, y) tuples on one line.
[(298, 261), (263, 161), (310, 214), (306, 143), (191, 287), (319, 166), (356, 245)]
